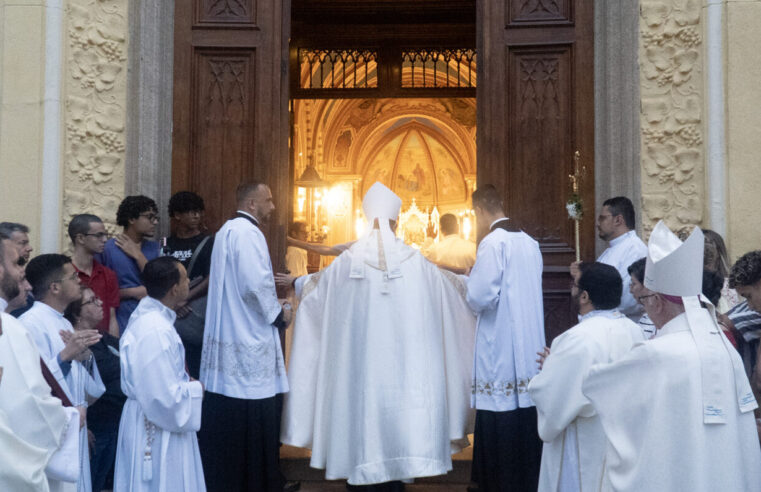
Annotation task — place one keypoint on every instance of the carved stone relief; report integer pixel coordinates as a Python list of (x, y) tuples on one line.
[(671, 115), (94, 113)]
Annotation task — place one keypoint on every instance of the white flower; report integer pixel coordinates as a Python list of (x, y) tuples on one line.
[(573, 210)]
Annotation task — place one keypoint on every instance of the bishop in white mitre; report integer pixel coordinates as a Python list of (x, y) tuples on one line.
[(158, 448), (381, 360), (573, 454), (35, 428), (677, 410), (45, 322)]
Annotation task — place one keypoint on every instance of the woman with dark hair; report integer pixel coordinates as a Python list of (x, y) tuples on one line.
[(102, 416)]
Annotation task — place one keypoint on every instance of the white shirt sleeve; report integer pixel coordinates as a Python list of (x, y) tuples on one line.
[(254, 275)]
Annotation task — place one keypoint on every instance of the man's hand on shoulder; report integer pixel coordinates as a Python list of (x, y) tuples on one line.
[(130, 247)]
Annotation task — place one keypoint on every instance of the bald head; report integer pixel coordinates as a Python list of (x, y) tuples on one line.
[(256, 199)]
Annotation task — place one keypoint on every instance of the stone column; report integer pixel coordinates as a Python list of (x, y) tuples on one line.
[(617, 139), (149, 120)]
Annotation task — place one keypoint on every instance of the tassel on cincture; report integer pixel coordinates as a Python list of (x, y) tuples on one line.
[(147, 467)]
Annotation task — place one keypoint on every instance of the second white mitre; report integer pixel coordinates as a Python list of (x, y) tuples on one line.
[(675, 268)]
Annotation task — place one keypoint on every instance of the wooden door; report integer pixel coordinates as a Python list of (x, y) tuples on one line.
[(535, 109), (231, 105)]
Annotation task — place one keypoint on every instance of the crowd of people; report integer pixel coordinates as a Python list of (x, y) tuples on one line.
[(141, 365)]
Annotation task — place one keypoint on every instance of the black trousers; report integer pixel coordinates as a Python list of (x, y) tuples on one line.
[(239, 442), (507, 451)]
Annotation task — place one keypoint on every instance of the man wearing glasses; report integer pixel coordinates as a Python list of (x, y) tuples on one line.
[(88, 236), (127, 253), (616, 225)]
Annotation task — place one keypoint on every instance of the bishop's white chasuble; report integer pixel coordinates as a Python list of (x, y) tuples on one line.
[(33, 424), (573, 454), (650, 403), (380, 366)]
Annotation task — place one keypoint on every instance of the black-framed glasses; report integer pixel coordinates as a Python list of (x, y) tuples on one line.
[(99, 235), (151, 217), (639, 298)]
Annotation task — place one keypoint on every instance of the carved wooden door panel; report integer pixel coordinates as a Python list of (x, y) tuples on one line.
[(535, 108), (231, 104)]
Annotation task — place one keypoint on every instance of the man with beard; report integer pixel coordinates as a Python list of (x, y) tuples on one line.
[(242, 365), (574, 440), (616, 225), (33, 423), (19, 236)]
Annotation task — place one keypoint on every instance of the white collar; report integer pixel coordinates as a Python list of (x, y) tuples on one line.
[(498, 220), (620, 239), (605, 313), (249, 215), (49, 309), (675, 325), (3, 305), (149, 304)]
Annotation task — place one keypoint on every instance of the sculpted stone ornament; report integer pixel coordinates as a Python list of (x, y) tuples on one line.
[(95, 101), (671, 120)]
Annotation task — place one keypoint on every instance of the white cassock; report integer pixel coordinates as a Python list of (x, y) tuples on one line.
[(33, 424), (649, 403), (241, 356), (453, 251), (620, 254), (380, 367), (163, 408), (573, 454), (505, 289), (83, 384), (296, 261)]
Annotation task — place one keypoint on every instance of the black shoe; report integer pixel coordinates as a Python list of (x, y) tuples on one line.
[(291, 486), (473, 487)]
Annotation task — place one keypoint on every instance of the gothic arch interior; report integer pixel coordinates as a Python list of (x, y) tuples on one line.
[(423, 149)]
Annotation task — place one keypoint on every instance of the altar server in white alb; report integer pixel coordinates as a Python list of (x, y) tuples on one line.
[(55, 284), (381, 358), (677, 410), (35, 429), (505, 289), (573, 454), (242, 363), (158, 449)]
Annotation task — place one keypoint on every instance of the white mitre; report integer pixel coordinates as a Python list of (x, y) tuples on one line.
[(675, 268), (383, 204)]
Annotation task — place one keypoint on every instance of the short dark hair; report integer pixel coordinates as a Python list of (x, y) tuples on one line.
[(185, 201), (160, 275), (8, 228), (620, 205), (746, 270), (603, 284), (74, 310), (712, 285), (43, 270), (449, 224), (488, 198), (715, 256), (131, 208), (244, 189), (296, 227), (637, 270), (80, 224)]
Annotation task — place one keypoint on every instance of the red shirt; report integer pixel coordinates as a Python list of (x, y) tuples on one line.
[(105, 285)]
